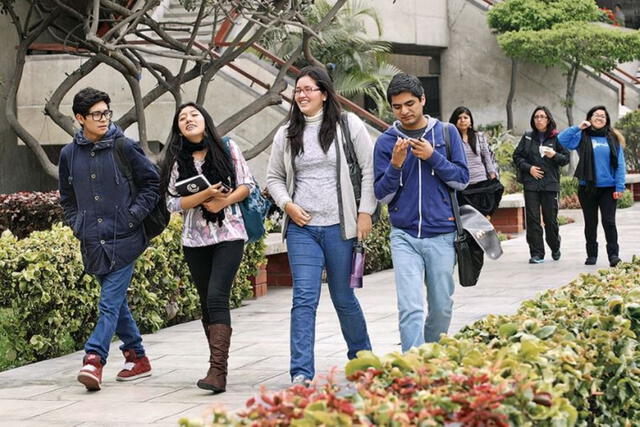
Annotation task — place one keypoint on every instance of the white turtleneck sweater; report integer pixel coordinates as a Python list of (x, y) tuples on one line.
[(316, 180)]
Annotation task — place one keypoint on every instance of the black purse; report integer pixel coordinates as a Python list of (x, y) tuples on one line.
[(469, 255)]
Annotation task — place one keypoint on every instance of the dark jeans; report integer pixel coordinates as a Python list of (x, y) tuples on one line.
[(590, 201), (213, 269), (547, 201), (310, 250)]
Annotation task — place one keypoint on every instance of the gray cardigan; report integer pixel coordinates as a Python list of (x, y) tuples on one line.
[(281, 175)]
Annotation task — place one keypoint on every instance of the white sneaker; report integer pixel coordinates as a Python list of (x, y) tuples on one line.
[(299, 379)]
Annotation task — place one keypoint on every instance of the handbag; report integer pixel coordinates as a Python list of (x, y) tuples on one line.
[(254, 207), (355, 172), (469, 252)]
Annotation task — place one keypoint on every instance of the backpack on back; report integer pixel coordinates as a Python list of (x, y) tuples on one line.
[(158, 219)]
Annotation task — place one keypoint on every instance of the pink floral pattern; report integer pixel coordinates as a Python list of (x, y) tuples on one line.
[(196, 231)]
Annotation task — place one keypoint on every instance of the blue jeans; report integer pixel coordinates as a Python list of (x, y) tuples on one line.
[(114, 316), (416, 263), (310, 249)]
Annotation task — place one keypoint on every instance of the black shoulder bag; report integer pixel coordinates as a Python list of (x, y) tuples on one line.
[(158, 219), (469, 254), (354, 167)]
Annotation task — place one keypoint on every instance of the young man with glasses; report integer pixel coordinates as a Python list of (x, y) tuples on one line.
[(107, 219)]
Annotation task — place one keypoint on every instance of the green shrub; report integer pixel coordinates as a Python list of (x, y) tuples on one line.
[(568, 357), (568, 186), (503, 144), (629, 125), (54, 308), (626, 201), (378, 246)]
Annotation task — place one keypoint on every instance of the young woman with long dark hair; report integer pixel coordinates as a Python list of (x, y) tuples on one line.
[(484, 191), (213, 233), (538, 158), (601, 172), (308, 177)]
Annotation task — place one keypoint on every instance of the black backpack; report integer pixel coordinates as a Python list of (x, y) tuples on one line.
[(158, 219), (354, 168)]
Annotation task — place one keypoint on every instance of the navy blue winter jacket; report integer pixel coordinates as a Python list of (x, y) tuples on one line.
[(98, 203), (418, 194)]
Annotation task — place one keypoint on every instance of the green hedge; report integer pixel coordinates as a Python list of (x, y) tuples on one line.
[(49, 310), (378, 247), (568, 357)]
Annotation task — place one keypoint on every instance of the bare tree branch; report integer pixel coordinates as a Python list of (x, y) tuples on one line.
[(12, 95), (264, 144), (52, 107)]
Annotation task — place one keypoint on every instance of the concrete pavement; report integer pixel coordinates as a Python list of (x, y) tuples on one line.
[(46, 393)]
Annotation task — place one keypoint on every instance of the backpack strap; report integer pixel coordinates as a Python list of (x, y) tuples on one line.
[(124, 165), (452, 193)]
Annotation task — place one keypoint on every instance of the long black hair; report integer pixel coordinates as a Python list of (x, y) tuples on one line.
[(471, 132), (330, 112), (551, 124), (217, 154)]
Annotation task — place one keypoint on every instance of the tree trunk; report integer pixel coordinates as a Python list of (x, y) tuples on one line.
[(572, 77), (512, 92)]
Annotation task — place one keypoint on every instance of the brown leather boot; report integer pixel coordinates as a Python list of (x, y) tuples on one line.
[(219, 341), (206, 334)]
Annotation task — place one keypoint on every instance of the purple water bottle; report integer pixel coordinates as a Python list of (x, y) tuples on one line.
[(357, 266)]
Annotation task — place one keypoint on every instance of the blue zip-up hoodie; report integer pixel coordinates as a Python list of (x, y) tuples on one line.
[(605, 175), (418, 194), (97, 200)]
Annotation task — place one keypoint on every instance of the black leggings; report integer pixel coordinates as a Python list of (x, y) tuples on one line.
[(213, 269), (600, 198)]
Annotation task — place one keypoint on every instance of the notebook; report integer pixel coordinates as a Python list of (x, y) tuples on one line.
[(192, 185)]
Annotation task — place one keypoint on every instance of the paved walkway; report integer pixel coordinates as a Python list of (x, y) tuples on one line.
[(46, 393)]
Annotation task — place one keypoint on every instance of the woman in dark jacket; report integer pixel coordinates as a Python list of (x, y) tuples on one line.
[(538, 158), (601, 171)]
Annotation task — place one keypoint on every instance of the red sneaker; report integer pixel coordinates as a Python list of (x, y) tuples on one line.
[(134, 367), (91, 373)]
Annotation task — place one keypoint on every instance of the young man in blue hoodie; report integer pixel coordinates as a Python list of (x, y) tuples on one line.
[(107, 219), (413, 175)]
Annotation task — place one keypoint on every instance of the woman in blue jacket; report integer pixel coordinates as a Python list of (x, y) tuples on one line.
[(601, 171)]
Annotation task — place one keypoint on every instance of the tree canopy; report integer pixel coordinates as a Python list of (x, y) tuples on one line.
[(126, 37)]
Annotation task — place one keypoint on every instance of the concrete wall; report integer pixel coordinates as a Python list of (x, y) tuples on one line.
[(228, 93), (476, 73), (413, 22), (19, 168)]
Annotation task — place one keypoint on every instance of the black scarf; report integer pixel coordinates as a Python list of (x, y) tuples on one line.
[(586, 169), (187, 169)]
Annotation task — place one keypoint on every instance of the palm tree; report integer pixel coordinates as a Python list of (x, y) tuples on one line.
[(357, 63)]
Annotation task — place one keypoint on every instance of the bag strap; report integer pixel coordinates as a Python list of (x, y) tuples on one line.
[(452, 192), (348, 147), (124, 165)]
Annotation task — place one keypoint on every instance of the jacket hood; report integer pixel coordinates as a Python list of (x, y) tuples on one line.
[(395, 130), (113, 132)]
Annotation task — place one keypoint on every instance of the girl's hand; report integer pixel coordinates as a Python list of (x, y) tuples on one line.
[(584, 124), (216, 191), (617, 195), (364, 226), (297, 214)]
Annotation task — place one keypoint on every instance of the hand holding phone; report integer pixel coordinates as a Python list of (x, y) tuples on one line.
[(224, 188)]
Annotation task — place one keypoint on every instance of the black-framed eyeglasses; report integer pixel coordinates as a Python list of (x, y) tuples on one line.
[(99, 115)]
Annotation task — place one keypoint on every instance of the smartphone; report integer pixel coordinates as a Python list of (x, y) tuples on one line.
[(224, 188)]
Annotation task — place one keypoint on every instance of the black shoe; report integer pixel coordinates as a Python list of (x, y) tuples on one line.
[(555, 255), (614, 260), (591, 260), (535, 260)]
